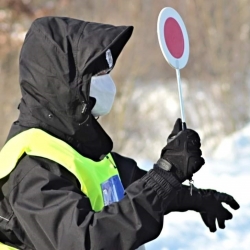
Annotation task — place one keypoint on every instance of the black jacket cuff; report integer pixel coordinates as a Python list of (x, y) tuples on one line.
[(163, 182)]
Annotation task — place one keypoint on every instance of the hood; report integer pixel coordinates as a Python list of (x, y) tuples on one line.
[(57, 60)]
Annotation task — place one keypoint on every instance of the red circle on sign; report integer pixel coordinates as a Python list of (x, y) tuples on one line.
[(174, 38)]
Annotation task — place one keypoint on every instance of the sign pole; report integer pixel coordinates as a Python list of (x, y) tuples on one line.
[(178, 76)]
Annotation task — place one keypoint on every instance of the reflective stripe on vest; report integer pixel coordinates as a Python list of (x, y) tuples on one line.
[(90, 174)]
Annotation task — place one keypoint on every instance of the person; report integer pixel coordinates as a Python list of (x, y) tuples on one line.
[(62, 187)]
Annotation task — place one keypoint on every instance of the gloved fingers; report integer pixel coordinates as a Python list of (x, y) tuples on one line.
[(194, 150), (204, 218), (224, 214), (221, 223), (193, 142), (177, 128), (193, 137), (228, 199), (195, 163), (199, 162), (209, 221)]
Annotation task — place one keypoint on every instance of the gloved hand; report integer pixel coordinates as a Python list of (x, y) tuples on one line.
[(211, 208), (182, 153), (207, 202)]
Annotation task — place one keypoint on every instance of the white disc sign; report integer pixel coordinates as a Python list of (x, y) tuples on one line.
[(173, 38)]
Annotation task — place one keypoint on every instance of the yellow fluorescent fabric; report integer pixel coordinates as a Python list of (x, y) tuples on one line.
[(5, 247), (36, 142)]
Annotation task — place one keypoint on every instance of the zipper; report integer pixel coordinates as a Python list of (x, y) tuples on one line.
[(111, 162)]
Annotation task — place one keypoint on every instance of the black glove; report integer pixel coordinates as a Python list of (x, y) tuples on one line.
[(182, 152), (212, 209), (207, 202)]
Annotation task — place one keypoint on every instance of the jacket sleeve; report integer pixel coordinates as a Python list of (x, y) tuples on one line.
[(55, 214), (183, 201), (128, 169)]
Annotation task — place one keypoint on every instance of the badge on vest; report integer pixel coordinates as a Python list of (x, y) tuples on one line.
[(112, 190)]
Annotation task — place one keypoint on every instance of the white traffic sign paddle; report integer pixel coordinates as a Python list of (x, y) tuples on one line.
[(174, 44)]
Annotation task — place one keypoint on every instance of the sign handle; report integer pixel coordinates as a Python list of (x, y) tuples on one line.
[(178, 75)]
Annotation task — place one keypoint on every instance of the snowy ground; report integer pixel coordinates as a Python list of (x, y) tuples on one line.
[(227, 171)]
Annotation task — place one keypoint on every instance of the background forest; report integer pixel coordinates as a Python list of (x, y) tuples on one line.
[(216, 81)]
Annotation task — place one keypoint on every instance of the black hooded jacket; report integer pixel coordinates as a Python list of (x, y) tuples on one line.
[(41, 204)]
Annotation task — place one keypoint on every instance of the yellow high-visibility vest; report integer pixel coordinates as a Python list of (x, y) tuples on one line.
[(93, 176)]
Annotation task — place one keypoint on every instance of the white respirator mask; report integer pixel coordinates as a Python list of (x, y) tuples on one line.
[(103, 89)]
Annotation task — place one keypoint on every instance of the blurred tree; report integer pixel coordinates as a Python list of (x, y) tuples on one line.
[(216, 78)]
